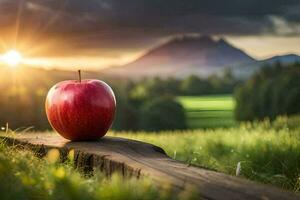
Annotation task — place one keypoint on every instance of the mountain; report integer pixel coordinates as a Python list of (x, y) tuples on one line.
[(185, 55), (284, 59), (244, 71)]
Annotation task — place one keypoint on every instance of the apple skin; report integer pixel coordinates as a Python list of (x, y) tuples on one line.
[(81, 110)]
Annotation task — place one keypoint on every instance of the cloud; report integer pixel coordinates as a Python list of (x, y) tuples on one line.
[(133, 24), (283, 27)]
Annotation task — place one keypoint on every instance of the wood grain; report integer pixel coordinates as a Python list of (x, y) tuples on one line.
[(134, 158)]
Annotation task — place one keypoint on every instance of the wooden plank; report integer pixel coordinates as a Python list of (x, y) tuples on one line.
[(134, 158)]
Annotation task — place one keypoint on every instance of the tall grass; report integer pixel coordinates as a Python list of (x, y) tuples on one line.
[(265, 152), (23, 176)]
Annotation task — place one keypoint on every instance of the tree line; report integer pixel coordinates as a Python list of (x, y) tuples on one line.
[(273, 91), (147, 104)]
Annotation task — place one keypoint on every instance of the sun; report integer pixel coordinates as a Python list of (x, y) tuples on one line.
[(12, 58)]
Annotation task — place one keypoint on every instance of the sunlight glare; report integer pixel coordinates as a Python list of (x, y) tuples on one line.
[(12, 58)]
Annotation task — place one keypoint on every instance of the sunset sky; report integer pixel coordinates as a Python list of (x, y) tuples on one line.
[(103, 33)]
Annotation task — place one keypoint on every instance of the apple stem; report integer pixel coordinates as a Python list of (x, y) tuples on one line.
[(79, 75)]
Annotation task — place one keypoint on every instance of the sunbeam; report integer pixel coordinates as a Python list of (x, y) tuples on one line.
[(18, 21)]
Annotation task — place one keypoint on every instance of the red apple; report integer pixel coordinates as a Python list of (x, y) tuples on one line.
[(81, 110)]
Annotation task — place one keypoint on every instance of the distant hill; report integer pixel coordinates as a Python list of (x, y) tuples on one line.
[(185, 55), (285, 59), (244, 71)]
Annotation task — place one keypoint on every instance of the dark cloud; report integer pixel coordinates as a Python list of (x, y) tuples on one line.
[(134, 23)]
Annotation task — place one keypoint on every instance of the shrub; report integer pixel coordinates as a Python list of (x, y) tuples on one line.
[(162, 114)]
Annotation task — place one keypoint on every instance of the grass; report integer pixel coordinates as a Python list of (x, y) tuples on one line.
[(24, 176), (265, 152), (211, 111)]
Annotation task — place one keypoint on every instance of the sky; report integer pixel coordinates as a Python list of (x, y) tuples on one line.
[(103, 33)]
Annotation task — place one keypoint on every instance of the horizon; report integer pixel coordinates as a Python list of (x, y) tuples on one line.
[(97, 63)]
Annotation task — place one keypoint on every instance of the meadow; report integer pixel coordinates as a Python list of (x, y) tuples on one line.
[(211, 111), (265, 152), (261, 151)]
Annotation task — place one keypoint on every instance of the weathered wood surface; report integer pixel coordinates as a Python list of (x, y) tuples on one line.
[(134, 158)]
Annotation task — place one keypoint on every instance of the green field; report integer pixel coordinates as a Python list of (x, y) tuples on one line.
[(265, 152), (211, 111), (268, 153)]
